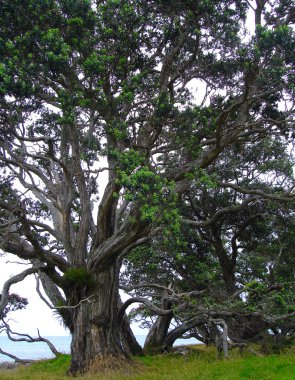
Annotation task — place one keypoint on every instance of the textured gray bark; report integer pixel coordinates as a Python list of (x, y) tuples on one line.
[(179, 331), (157, 334), (129, 341), (96, 333)]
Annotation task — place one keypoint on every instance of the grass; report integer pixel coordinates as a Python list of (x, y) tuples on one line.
[(201, 364)]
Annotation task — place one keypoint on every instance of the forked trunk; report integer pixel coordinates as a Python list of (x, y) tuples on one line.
[(96, 341)]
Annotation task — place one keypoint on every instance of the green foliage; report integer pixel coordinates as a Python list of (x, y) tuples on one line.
[(79, 278), (209, 181), (155, 194), (15, 302), (255, 292), (91, 147), (111, 80)]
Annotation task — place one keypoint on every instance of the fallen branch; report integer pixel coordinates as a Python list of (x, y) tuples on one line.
[(15, 358), (244, 345), (29, 339)]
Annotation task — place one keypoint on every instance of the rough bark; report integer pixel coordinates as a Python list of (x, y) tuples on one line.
[(97, 335), (157, 334), (221, 339), (129, 341), (180, 330), (95, 98)]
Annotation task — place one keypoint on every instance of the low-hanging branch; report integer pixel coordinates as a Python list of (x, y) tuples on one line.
[(16, 358), (144, 301), (29, 339), (15, 279), (269, 318)]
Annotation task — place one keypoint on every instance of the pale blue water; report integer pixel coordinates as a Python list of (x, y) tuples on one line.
[(40, 350)]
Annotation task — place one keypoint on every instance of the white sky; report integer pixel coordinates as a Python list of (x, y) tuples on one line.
[(37, 314)]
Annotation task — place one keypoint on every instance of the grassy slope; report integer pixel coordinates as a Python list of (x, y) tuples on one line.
[(200, 365)]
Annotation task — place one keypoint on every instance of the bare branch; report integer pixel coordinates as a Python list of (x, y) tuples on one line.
[(220, 213), (15, 358), (168, 289), (29, 339), (283, 197), (13, 280), (144, 301), (60, 307)]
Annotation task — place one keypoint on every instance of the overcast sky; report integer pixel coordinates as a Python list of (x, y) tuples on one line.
[(37, 314)]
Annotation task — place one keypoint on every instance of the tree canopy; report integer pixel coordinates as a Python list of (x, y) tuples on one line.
[(132, 123)]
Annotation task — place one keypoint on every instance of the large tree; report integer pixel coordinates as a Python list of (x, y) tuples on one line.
[(90, 88), (236, 244)]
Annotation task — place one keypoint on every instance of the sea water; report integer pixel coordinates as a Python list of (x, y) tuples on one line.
[(40, 350), (35, 350)]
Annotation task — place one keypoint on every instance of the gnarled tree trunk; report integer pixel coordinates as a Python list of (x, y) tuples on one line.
[(97, 337)]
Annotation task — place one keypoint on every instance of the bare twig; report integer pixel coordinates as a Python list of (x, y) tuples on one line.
[(88, 299)]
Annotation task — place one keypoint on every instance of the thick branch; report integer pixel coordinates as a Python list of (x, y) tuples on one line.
[(180, 330), (284, 197), (15, 358), (220, 213), (144, 301)]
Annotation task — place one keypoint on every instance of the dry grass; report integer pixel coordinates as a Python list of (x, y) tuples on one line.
[(114, 367)]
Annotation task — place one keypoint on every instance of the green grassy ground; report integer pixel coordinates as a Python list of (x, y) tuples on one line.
[(201, 364)]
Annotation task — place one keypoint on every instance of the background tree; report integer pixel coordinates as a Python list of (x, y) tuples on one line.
[(91, 87), (231, 247)]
